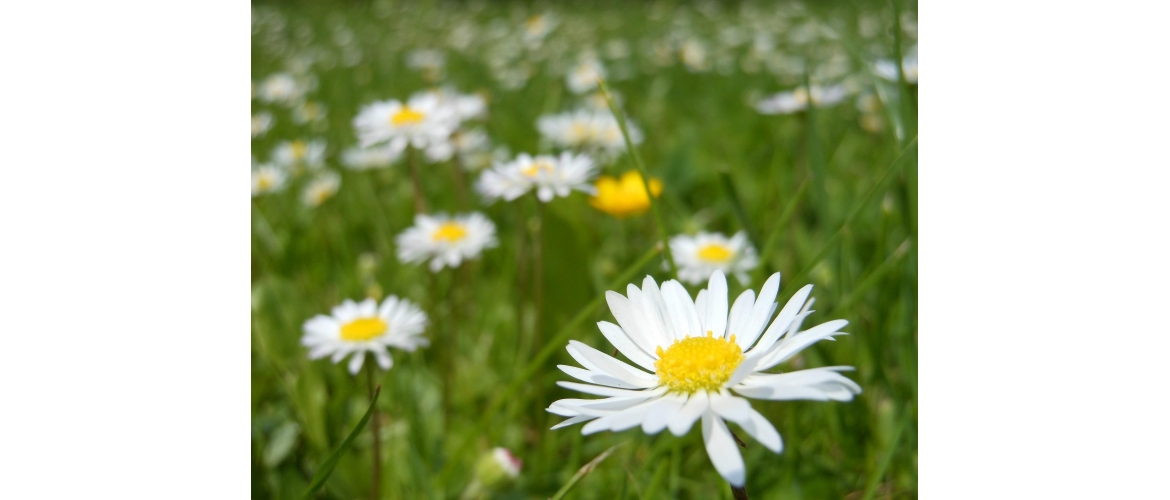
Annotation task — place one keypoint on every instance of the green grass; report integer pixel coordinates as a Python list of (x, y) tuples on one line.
[(852, 232)]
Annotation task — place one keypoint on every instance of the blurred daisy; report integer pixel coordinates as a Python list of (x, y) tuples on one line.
[(886, 68), (625, 196), (261, 123), (368, 158), (360, 328), (281, 88), (308, 112), (428, 61), (694, 56), (701, 255), (420, 122), (590, 130), (444, 240), (790, 102), (697, 361), (550, 176), (267, 179), (321, 188), (298, 154), (464, 106), (537, 27), (584, 76)]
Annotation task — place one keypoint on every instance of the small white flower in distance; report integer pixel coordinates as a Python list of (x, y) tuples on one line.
[(551, 176), (698, 360), (281, 88), (886, 68), (267, 179), (261, 123), (792, 101), (698, 256), (584, 76), (369, 158), (360, 328), (420, 122), (590, 130), (446, 241), (299, 154), (321, 188)]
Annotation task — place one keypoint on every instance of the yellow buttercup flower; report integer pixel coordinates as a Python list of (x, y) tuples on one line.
[(625, 196)]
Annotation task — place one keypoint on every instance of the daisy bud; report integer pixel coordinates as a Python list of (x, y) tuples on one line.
[(497, 467)]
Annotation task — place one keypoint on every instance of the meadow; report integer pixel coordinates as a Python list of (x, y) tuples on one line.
[(826, 194)]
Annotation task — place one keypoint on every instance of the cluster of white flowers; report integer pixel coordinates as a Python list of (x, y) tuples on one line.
[(592, 131), (550, 176), (428, 121)]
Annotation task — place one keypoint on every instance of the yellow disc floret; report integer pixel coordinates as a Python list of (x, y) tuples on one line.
[(450, 232), (696, 363), (407, 116), (715, 253), (537, 167), (363, 329)]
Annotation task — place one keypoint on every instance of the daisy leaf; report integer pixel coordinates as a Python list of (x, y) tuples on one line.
[(327, 466)]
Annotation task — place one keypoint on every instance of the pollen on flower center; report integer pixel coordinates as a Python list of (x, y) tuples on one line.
[(715, 253), (696, 363), (407, 116), (363, 329), (450, 232), (298, 149)]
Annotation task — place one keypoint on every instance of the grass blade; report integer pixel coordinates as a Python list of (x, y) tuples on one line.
[(871, 486), (737, 207), (785, 216), (327, 466), (585, 469)]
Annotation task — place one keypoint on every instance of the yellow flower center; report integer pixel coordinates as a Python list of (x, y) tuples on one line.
[(407, 116), (696, 363), (715, 253), (265, 181), (450, 232), (363, 329), (538, 167), (298, 149), (579, 133)]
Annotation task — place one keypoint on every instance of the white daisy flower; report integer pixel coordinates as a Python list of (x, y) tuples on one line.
[(691, 356), (369, 158), (465, 106), (537, 27), (584, 76), (550, 176), (420, 122), (261, 123), (785, 103), (321, 188), (701, 255), (590, 130), (886, 68), (267, 179), (360, 328), (281, 88), (444, 240), (297, 154), (429, 61)]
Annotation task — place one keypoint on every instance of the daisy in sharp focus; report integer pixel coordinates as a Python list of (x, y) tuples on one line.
[(420, 122), (551, 176), (785, 103), (697, 361), (446, 241), (701, 255), (625, 196), (360, 328)]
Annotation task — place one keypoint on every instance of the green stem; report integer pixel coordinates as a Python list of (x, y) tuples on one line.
[(621, 119), (420, 202), (375, 428)]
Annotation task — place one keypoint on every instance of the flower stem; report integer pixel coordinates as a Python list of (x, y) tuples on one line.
[(460, 182), (621, 119), (420, 202), (375, 428), (538, 292), (740, 493)]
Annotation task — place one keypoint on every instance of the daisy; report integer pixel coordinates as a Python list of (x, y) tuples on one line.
[(696, 361), (323, 187), (429, 61), (445, 241), (281, 88), (261, 123), (886, 68), (298, 154), (267, 179), (368, 158), (420, 122), (537, 27), (626, 196), (550, 176), (702, 254), (790, 102), (591, 130), (360, 328), (584, 76)]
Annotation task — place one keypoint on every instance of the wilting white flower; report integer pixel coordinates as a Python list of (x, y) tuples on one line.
[(792, 101), (281, 88), (297, 154), (445, 241), (584, 76), (590, 130), (261, 123), (698, 256), (360, 328), (267, 179), (550, 176), (886, 68), (420, 122), (697, 361), (321, 188), (369, 158)]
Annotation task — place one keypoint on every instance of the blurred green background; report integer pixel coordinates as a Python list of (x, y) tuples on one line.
[(814, 184)]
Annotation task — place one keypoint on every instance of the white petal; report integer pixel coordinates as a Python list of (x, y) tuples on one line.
[(682, 421), (716, 317), (355, 363), (761, 312), (608, 406), (616, 336), (600, 390), (661, 328), (760, 429), (793, 345), (598, 378), (730, 407), (740, 311), (612, 366), (701, 305), (722, 449), (383, 359), (787, 314), (681, 310), (574, 420), (660, 411), (630, 319)]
